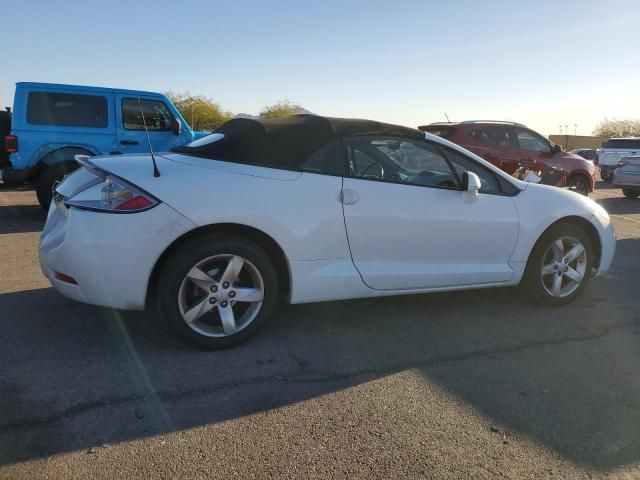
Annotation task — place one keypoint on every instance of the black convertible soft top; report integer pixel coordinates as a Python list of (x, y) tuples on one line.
[(285, 142)]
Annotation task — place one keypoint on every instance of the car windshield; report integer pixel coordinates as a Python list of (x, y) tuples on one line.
[(211, 138), (622, 143)]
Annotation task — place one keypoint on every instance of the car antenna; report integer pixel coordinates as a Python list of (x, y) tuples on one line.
[(445, 114), (156, 172)]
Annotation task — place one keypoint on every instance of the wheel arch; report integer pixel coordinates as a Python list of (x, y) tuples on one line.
[(46, 156), (583, 223), (260, 238)]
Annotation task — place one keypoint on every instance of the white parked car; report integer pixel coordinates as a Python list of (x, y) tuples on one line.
[(613, 151), (309, 209)]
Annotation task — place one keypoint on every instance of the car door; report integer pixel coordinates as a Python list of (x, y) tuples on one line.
[(131, 133), (534, 148), (408, 224), (495, 143)]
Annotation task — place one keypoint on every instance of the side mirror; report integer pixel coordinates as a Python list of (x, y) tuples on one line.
[(471, 184), (556, 148), (175, 126)]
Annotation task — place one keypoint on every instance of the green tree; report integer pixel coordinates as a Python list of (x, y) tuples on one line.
[(283, 108), (200, 112), (617, 128)]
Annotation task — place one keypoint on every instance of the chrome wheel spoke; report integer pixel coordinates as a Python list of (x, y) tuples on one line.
[(228, 320), (574, 275), (217, 276), (557, 285), (198, 311), (548, 270), (201, 279), (575, 252), (248, 295), (558, 248), (233, 269)]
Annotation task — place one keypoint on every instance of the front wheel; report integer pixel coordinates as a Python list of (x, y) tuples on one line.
[(560, 265), (606, 174), (580, 184), (217, 290), (631, 193)]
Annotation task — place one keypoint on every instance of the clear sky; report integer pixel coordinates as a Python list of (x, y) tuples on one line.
[(544, 63)]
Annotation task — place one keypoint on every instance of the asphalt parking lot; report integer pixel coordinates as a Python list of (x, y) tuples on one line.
[(461, 385)]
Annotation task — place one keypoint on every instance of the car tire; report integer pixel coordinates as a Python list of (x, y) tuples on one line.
[(182, 290), (50, 175), (580, 184), (547, 279), (631, 193), (606, 174)]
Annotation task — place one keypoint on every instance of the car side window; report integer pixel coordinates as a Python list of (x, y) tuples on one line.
[(64, 109), (461, 163), (531, 141), (398, 160), (328, 160), (494, 137), (156, 115)]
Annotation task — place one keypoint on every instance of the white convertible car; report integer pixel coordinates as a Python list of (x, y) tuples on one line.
[(309, 209)]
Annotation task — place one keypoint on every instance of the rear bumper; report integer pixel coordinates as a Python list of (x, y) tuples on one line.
[(95, 250), (626, 179)]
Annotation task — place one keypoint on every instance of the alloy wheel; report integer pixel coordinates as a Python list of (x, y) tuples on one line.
[(564, 267), (221, 295)]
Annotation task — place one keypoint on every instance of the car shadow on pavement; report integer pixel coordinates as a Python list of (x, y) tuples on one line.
[(76, 376), (21, 218), (620, 205)]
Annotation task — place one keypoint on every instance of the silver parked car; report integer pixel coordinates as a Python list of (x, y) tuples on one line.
[(627, 176)]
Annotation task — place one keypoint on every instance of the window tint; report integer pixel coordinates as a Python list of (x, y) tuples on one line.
[(328, 160), (399, 160), (50, 108), (531, 141), (463, 164), (156, 114), (632, 143), (493, 137)]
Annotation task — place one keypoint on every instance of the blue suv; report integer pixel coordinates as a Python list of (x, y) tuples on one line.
[(50, 124)]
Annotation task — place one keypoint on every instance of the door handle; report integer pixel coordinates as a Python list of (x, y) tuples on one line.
[(348, 197), (129, 142)]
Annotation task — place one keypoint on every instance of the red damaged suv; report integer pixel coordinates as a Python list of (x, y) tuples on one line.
[(508, 145)]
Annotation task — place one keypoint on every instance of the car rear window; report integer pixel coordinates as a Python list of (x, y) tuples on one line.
[(622, 143), (440, 131), (64, 109)]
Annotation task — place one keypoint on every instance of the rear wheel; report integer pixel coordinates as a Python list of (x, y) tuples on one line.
[(631, 193), (580, 184), (217, 290), (50, 175), (560, 265)]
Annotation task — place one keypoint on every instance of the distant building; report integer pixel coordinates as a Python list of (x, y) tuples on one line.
[(571, 142)]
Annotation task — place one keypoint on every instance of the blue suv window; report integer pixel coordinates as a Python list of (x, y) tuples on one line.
[(156, 114), (64, 109)]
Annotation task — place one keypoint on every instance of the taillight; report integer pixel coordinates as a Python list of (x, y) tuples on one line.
[(112, 194), (622, 163), (138, 202), (11, 143)]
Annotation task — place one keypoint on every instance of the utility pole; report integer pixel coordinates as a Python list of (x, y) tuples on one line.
[(575, 129)]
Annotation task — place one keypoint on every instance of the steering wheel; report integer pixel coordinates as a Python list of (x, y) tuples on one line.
[(373, 164)]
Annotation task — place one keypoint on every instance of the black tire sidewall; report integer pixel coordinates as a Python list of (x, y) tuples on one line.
[(190, 253), (631, 193), (46, 179), (532, 280), (583, 182)]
